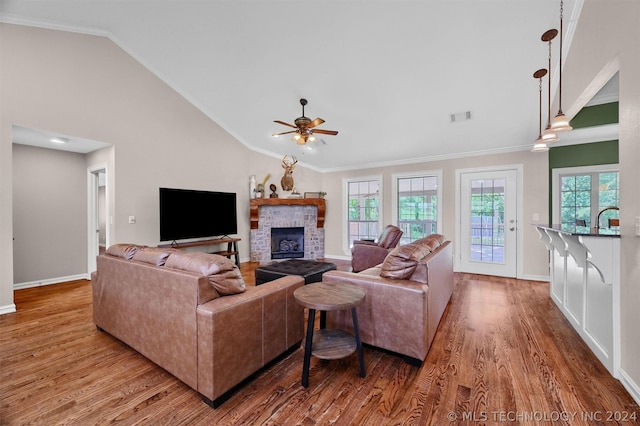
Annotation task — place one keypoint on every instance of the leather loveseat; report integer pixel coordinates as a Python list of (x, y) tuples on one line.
[(406, 296), (191, 314)]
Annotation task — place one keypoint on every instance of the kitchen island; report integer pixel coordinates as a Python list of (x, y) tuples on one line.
[(584, 275)]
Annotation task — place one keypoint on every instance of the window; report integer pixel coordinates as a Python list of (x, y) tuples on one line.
[(363, 209), (583, 193), (416, 204), (487, 220)]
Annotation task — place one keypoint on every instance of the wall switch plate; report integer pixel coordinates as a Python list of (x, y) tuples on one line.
[(536, 216), (638, 226), (132, 219)]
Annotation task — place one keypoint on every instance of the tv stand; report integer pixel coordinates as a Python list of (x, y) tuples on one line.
[(232, 246)]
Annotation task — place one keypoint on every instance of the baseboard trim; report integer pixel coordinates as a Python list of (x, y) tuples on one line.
[(8, 309), (631, 386), (337, 256), (534, 278), (49, 281)]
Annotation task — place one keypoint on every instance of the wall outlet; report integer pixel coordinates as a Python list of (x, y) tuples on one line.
[(536, 216), (132, 219), (638, 226)]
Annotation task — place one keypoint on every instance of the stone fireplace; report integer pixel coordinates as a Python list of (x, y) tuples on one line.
[(283, 215)]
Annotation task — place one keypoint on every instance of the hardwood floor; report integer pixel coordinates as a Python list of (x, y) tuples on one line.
[(503, 354)]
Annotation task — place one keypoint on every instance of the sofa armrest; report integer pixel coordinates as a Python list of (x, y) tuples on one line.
[(394, 314), (440, 278), (364, 256), (239, 334)]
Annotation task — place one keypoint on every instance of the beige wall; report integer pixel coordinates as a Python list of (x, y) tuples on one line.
[(535, 200), (49, 214), (86, 86), (607, 40)]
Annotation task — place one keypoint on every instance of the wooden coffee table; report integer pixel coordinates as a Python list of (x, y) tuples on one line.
[(327, 343)]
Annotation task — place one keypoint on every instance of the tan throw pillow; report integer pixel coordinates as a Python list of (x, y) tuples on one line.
[(224, 276), (401, 262), (153, 255), (125, 251)]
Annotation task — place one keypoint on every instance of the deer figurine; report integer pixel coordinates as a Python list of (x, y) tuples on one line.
[(288, 164)]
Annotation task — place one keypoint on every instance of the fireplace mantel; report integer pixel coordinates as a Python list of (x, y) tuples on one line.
[(257, 202)]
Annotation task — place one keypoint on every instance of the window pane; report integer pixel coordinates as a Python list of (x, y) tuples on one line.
[(363, 210), (417, 207), (487, 220), (579, 192)]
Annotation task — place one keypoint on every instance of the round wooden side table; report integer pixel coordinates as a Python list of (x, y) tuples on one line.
[(328, 343)]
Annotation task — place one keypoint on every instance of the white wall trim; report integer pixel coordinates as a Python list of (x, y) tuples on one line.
[(49, 281), (8, 309), (632, 387), (92, 213), (544, 278)]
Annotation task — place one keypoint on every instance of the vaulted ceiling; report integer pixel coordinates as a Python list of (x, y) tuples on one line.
[(388, 75)]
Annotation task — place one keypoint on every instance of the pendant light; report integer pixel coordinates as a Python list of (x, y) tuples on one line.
[(540, 145), (549, 136), (560, 121)]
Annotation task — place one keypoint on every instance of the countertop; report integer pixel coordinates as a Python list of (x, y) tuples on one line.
[(582, 230)]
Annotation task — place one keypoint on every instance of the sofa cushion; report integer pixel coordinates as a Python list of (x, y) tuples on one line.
[(223, 274), (153, 255), (125, 251), (433, 241), (402, 261)]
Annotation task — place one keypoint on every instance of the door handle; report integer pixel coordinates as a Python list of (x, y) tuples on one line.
[(512, 229)]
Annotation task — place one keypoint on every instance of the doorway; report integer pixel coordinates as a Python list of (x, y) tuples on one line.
[(98, 221), (487, 208)]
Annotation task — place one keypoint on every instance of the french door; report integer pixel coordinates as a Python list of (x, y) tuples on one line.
[(488, 204)]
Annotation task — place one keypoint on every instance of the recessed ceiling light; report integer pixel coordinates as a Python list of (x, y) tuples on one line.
[(59, 140)]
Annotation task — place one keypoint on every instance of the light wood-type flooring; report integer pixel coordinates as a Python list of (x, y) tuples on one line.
[(503, 354)]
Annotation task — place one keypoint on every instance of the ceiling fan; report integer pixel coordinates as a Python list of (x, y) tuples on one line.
[(305, 128)]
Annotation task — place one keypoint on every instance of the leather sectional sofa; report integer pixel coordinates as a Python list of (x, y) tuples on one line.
[(191, 314), (406, 296)]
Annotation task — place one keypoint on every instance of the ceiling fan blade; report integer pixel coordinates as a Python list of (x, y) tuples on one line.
[(283, 133), (325, 132), (286, 124), (318, 121)]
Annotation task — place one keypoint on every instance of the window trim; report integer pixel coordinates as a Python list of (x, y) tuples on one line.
[(345, 206), (555, 183), (418, 174)]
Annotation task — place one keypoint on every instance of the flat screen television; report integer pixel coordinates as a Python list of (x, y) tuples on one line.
[(186, 214)]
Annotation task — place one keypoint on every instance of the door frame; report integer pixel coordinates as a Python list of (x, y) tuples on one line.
[(518, 168), (92, 213)]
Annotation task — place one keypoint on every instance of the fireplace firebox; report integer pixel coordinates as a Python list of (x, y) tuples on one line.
[(287, 243)]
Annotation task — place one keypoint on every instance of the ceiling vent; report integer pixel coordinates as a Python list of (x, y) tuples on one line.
[(460, 116)]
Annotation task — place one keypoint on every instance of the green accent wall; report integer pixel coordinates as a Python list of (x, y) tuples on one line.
[(588, 154), (596, 115)]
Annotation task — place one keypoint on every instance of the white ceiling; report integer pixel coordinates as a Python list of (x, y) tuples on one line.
[(386, 74)]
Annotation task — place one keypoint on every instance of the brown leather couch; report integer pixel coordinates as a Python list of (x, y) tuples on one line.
[(406, 297), (365, 254), (191, 314)]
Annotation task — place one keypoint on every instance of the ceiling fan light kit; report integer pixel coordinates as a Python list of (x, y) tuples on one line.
[(560, 122), (305, 128)]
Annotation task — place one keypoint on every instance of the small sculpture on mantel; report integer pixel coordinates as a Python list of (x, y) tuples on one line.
[(273, 194), (288, 164)]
